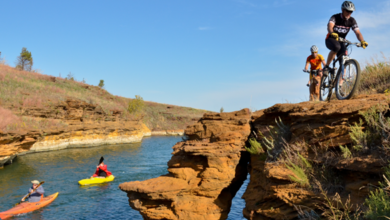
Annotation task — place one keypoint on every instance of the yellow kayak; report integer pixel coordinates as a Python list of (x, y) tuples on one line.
[(96, 180)]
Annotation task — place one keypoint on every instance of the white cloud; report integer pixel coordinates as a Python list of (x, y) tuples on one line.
[(375, 18), (204, 28)]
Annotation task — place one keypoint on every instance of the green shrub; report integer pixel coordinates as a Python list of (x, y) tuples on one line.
[(378, 201), (276, 139), (136, 105), (346, 152), (221, 110), (370, 133), (378, 204), (255, 148), (358, 136), (299, 171)]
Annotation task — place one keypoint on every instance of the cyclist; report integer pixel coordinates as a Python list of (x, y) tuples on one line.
[(339, 26), (315, 61)]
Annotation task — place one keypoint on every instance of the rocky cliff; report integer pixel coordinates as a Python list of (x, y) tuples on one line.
[(41, 112), (317, 132), (204, 173), (206, 170), (84, 125)]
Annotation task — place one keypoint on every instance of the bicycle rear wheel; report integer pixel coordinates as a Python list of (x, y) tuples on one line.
[(347, 83)]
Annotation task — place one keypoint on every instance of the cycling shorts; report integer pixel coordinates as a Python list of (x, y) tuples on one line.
[(335, 46)]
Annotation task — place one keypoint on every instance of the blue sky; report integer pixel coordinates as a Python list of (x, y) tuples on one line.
[(203, 54)]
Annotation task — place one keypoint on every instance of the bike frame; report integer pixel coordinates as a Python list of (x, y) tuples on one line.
[(342, 58)]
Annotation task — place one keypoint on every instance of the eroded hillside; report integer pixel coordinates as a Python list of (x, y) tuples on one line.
[(40, 112)]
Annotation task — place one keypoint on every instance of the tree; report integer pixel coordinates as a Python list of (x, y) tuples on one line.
[(221, 110), (25, 60), (101, 83)]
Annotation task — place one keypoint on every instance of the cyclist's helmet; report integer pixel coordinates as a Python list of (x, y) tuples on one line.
[(348, 5), (314, 49)]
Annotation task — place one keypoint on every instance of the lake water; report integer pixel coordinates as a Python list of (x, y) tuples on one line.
[(61, 171)]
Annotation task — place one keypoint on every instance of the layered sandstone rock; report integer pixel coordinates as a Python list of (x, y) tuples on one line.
[(168, 133), (87, 125), (204, 173), (272, 195)]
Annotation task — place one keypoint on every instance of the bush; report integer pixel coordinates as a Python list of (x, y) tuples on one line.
[(255, 148), (221, 110), (346, 152), (299, 171), (136, 105), (378, 204), (378, 201), (358, 136), (373, 132)]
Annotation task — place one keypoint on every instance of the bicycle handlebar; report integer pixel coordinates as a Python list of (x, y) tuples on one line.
[(349, 42), (311, 71)]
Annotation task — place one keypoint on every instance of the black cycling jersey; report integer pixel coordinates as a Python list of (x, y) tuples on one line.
[(342, 26)]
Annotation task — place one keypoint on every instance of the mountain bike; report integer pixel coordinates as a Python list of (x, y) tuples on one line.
[(346, 81), (314, 73)]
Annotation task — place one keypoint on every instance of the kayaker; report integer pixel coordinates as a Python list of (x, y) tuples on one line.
[(37, 195), (101, 170)]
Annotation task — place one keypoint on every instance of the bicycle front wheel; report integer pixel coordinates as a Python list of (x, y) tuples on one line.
[(347, 83), (325, 87)]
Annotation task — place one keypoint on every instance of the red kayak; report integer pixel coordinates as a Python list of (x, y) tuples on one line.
[(28, 207)]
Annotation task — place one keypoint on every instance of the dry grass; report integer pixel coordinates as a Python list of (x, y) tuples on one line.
[(165, 117), (7, 118), (41, 125), (22, 89), (375, 77), (10, 123)]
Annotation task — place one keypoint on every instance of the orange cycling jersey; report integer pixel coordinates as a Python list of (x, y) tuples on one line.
[(315, 63)]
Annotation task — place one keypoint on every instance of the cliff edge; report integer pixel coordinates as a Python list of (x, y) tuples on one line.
[(302, 156)]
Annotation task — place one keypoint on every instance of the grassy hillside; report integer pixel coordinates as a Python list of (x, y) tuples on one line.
[(21, 89)]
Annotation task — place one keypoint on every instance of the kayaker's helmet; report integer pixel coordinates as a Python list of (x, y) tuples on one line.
[(348, 5), (314, 49)]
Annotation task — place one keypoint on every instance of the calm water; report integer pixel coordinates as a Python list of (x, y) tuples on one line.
[(61, 171)]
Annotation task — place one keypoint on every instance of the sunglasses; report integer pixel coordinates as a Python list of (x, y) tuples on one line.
[(348, 11)]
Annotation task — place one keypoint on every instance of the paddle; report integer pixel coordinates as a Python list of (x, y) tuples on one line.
[(31, 192), (100, 161)]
